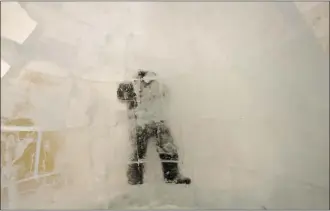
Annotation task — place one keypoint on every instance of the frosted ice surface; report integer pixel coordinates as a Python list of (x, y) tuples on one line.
[(12, 16), (222, 61), (4, 68)]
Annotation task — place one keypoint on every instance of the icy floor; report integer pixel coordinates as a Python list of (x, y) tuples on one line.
[(227, 188)]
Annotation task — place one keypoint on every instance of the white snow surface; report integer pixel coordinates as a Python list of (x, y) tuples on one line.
[(249, 103)]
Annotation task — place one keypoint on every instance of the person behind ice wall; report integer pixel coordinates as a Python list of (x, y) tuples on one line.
[(144, 98)]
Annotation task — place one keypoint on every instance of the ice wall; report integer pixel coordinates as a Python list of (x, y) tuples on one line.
[(316, 14), (249, 110), (262, 104)]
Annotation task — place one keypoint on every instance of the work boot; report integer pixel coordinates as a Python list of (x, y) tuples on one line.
[(135, 173), (172, 175)]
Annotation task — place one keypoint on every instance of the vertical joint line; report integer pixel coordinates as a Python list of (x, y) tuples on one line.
[(37, 153)]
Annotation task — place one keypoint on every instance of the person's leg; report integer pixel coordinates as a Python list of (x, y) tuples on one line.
[(168, 154), (139, 141)]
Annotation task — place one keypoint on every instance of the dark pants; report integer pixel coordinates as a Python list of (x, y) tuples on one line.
[(166, 149)]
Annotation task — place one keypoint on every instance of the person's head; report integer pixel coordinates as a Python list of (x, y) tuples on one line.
[(146, 77)]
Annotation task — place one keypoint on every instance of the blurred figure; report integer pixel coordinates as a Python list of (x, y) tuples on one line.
[(145, 100)]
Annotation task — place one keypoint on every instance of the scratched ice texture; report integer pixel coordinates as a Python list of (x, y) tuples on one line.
[(249, 103)]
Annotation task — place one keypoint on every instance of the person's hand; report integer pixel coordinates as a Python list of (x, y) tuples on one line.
[(126, 92)]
